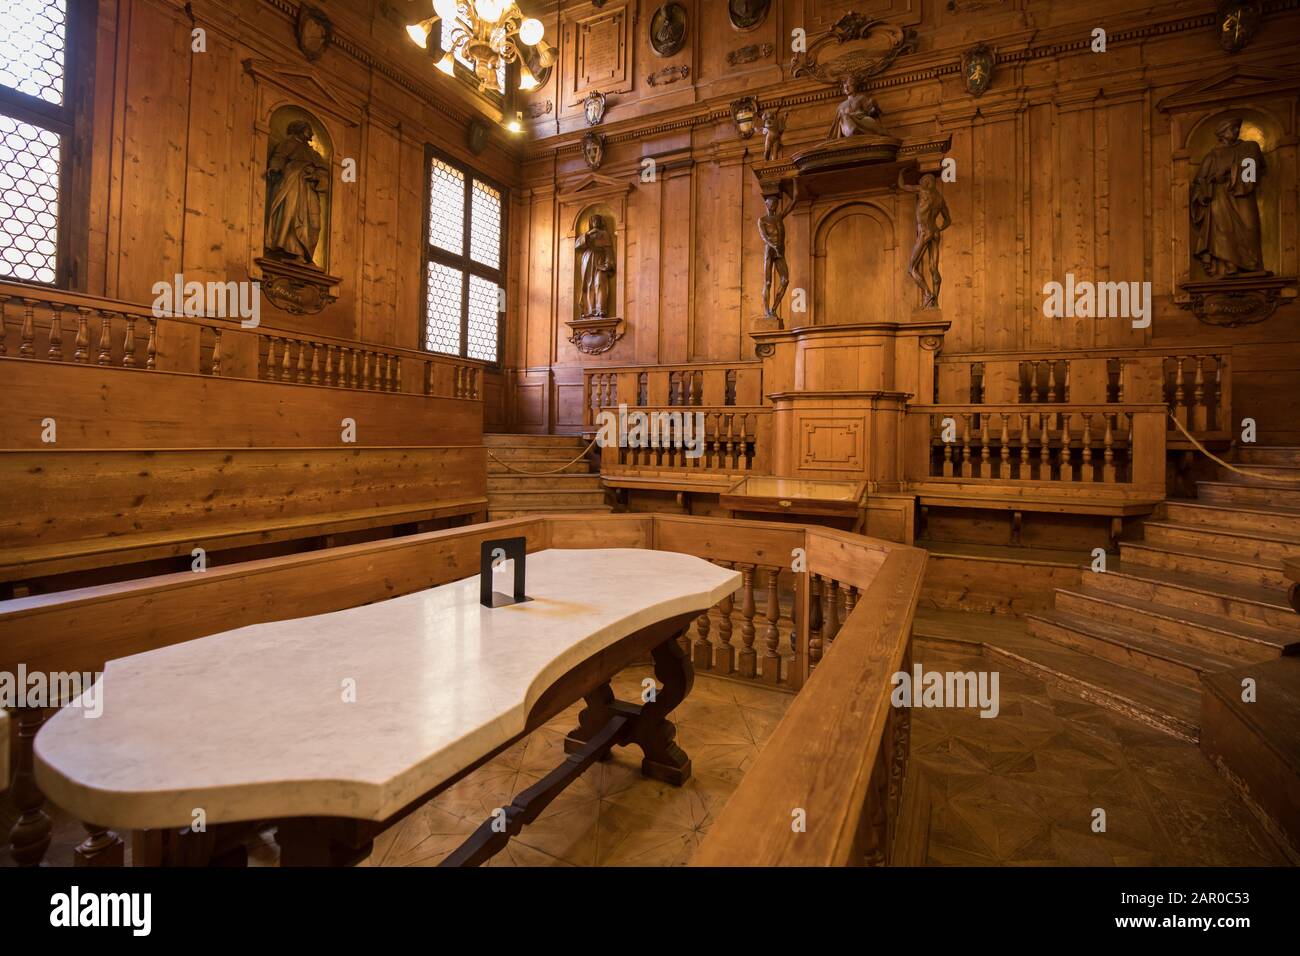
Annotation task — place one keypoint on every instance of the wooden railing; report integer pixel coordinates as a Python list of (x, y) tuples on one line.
[(41, 323), (727, 441), (1196, 383), (1121, 446), (714, 385), (771, 632)]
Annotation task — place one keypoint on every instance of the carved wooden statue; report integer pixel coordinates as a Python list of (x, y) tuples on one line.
[(932, 218), (858, 115), (773, 128), (595, 249), (1224, 210), (771, 227), (298, 177)]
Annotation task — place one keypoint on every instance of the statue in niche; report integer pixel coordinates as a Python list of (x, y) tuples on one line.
[(1226, 236), (858, 115), (595, 249), (298, 176), (932, 219), (771, 226), (773, 129)]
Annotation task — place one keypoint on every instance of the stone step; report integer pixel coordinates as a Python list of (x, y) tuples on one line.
[(1224, 492), (579, 467), (1163, 659), (1283, 521), (508, 483), (1268, 455), (1230, 567), (1212, 595), (1214, 635), (1166, 706), (1255, 545), (537, 441)]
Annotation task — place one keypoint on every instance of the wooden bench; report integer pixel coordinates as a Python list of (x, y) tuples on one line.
[(70, 511)]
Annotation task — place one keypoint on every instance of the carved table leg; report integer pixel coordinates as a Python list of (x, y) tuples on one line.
[(30, 836), (652, 731), (598, 712), (102, 847)]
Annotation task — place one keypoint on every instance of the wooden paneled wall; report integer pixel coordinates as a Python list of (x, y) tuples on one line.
[(1073, 162)]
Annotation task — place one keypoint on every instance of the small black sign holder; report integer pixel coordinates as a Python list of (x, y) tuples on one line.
[(515, 549)]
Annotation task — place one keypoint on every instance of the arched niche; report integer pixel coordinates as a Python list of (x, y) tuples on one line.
[(581, 224), (282, 165), (1257, 126), (855, 265)]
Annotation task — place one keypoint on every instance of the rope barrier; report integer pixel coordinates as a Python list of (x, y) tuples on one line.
[(541, 474), (1213, 457)]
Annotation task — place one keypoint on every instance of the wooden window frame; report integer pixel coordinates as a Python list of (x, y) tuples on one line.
[(71, 122), (465, 262)]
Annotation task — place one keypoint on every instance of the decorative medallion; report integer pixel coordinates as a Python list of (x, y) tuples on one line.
[(478, 136), (744, 113), (747, 14), (977, 68), (872, 46), (595, 336), (314, 32), (1237, 22), (593, 149), (668, 29), (749, 54), (593, 107), (669, 74), (296, 288)]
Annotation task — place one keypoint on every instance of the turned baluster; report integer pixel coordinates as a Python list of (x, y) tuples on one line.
[(105, 339), (1004, 451), (56, 334), (301, 377), (729, 459), (702, 650), (286, 364), (1108, 455), (315, 363), (947, 451), (830, 612), (1180, 391), (965, 446), (102, 847), (1219, 422), (268, 372), (216, 352), (1033, 382), (1066, 467), (356, 368), (151, 346), (1044, 447), (1119, 384), (397, 372), (329, 365), (772, 628), (748, 657), (458, 382), (850, 602), (986, 470), (1086, 472), (29, 837), (1199, 411), (814, 621), (1065, 388), (1024, 446), (724, 659), (1051, 382), (28, 334), (81, 353), (128, 342)]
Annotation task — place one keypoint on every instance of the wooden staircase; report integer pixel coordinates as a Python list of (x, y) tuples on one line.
[(512, 493), (1202, 594)]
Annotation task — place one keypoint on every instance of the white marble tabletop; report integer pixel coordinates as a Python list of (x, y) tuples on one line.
[(354, 713)]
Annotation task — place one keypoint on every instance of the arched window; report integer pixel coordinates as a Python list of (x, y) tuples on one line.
[(44, 52)]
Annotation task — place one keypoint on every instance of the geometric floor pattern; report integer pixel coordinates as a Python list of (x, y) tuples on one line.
[(1020, 789)]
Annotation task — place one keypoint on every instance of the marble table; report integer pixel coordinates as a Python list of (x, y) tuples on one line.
[(337, 725)]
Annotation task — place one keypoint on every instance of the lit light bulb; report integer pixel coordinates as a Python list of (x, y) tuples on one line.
[(419, 33), (447, 64), (446, 9), (527, 81), (531, 31), (489, 10)]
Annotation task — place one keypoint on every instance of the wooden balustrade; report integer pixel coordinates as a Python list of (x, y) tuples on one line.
[(720, 441), (705, 385), (1115, 445), (1195, 383), (107, 333), (759, 635)]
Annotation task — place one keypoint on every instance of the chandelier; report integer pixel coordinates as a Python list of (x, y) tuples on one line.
[(486, 34)]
